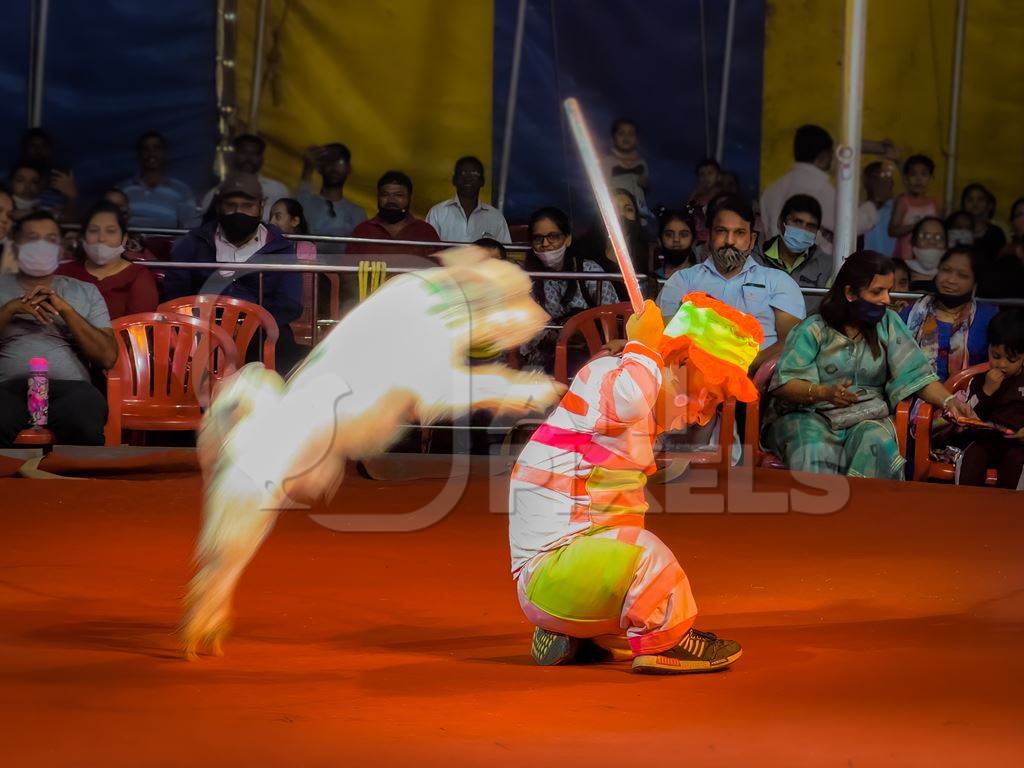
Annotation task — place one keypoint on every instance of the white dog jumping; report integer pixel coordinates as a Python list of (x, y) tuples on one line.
[(400, 356)]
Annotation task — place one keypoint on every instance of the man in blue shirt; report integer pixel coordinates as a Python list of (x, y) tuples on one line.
[(329, 212), (731, 274), (154, 198)]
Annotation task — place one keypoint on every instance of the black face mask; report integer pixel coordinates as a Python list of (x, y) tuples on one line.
[(677, 256), (954, 302), (392, 215), (865, 313), (238, 227)]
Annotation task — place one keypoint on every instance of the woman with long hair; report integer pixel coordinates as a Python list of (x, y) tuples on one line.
[(841, 375)]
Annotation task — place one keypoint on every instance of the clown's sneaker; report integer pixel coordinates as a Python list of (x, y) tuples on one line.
[(550, 648), (698, 652)]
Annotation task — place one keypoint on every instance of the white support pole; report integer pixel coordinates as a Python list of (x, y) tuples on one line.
[(257, 68), (704, 81), (510, 104), (848, 153), (723, 102), (954, 101), (37, 88)]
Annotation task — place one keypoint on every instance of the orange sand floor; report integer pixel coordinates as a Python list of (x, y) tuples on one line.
[(888, 632)]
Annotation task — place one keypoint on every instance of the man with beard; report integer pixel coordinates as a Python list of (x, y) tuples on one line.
[(237, 235), (328, 213), (247, 157), (394, 220), (733, 276), (156, 199), (463, 218)]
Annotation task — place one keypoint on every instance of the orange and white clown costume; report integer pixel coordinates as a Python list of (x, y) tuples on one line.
[(583, 562)]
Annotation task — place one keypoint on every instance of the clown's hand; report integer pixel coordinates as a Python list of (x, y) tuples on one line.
[(647, 327)]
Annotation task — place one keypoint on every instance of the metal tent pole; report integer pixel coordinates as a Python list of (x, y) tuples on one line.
[(37, 86), (954, 101), (723, 102), (257, 68), (510, 104), (704, 81), (849, 150)]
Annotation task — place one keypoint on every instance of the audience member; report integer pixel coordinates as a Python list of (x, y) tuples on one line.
[(913, 205), (676, 235), (26, 187), (329, 212), (136, 247), (394, 220), (463, 218), (959, 229), (57, 318), (156, 199), (550, 240), (8, 264), (998, 398), (58, 193), (879, 178), (1005, 279), (732, 274), (812, 153), (901, 284), (239, 236), (596, 246), (928, 244), (989, 237), (126, 287), (841, 375), (708, 173), (795, 252), (623, 165), (247, 157), (495, 248)]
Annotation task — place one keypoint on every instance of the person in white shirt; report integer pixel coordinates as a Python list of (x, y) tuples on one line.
[(812, 151), (247, 157), (463, 218)]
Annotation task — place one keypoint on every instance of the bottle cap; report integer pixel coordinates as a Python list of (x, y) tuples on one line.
[(38, 365)]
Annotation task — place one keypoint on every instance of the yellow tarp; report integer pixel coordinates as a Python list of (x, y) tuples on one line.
[(406, 84), (907, 84)]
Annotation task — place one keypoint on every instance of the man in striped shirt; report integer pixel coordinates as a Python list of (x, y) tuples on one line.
[(584, 566)]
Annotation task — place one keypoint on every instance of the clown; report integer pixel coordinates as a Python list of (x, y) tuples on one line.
[(586, 570)]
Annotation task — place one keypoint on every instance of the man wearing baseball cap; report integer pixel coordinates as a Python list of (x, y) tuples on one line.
[(237, 235)]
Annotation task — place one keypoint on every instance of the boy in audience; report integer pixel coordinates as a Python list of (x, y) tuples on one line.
[(998, 398), (914, 204)]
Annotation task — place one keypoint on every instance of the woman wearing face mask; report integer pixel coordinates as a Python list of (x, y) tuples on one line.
[(928, 243), (125, 286), (550, 239), (949, 325), (980, 203), (676, 234), (841, 375), (596, 246), (959, 229)]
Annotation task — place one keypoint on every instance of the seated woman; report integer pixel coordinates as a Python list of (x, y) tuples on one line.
[(596, 246), (126, 287), (928, 241), (550, 239), (841, 375), (1005, 278), (949, 325), (677, 236)]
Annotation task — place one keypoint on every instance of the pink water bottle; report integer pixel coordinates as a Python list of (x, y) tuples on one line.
[(38, 391)]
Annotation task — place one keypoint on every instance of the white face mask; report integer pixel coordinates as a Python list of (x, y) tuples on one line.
[(101, 253), (38, 258), (928, 257), (959, 237), (24, 204), (552, 259)]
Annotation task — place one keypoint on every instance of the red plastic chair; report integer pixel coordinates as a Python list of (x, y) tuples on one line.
[(924, 467), (598, 326), (241, 319), (519, 233), (166, 367)]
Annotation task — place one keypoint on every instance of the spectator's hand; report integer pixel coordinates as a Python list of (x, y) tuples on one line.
[(49, 300), (993, 381), (838, 394), (647, 327), (957, 409), (21, 306), (311, 156), (64, 183)]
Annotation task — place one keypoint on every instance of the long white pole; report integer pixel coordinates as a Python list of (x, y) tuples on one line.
[(704, 81), (38, 86), (256, 92), (848, 153), (510, 105), (723, 102), (954, 101)]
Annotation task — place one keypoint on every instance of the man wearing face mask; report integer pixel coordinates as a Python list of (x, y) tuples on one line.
[(731, 274), (57, 318), (795, 252), (394, 220), (238, 235)]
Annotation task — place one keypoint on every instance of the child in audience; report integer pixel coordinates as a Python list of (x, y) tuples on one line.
[(914, 204), (901, 284), (624, 166), (998, 398)]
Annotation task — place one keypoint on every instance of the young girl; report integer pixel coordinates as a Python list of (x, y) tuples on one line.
[(914, 204), (998, 397), (287, 215), (989, 238), (928, 244), (624, 166)]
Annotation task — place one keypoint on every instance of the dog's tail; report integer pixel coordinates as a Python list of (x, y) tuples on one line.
[(239, 508)]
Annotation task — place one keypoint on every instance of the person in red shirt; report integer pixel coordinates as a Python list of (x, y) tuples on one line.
[(394, 221), (126, 287)]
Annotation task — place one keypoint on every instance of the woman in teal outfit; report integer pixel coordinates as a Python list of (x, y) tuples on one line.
[(841, 375)]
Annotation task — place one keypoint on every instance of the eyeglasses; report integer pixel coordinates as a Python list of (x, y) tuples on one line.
[(555, 238)]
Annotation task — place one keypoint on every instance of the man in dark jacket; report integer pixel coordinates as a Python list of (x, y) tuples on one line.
[(238, 235)]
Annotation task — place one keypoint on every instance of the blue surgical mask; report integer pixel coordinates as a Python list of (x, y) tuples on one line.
[(797, 240), (867, 313)]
